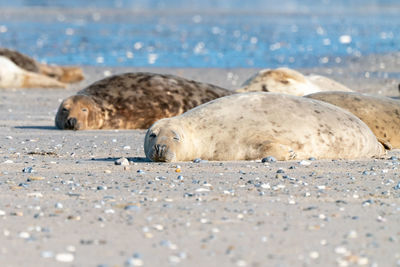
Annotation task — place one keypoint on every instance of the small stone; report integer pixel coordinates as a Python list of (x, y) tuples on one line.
[(268, 159), (126, 148), (140, 171), (314, 255), (8, 161), (24, 235), (58, 205), (312, 159), (134, 262), (180, 177), (305, 163), (28, 170), (64, 257), (2, 213), (122, 162), (397, 187), (47, 254), (35, 178), (393, 158), (101, 187)]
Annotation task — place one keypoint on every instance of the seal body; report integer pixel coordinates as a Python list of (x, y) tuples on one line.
[(288, 81), (133, 101), (381, 114), (60, 73), (255, 125), (12, 76)]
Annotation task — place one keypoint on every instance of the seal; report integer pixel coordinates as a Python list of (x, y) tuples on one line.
[(255, 125), (61, 73), (288, 81), (133, 101), (381, 114), (12, 76)]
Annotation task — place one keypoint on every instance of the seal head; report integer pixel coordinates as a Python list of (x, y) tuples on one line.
[(79, 112), (164, 142)]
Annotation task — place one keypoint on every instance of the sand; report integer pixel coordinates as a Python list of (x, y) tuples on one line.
[(77, 208)]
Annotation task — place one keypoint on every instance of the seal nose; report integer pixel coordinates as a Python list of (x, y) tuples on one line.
[(160, 150), (71, 123)]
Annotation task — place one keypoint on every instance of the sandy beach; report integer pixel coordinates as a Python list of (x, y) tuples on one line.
[(64, 202)]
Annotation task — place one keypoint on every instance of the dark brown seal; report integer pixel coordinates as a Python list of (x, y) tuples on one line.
[(63, 74), (133, 101), (381, 114)]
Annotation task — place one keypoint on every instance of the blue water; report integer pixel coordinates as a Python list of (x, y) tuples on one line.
[(177, 33)]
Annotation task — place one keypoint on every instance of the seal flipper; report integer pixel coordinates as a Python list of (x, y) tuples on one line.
[(279, 151), (386, 144), (34, 80)]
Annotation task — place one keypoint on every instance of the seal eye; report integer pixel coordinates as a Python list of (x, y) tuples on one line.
[(152, 135), (84, 109), (176, 138), (64, 110)]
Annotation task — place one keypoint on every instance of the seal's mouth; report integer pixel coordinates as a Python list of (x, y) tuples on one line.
[(71, 124), (161, 153)]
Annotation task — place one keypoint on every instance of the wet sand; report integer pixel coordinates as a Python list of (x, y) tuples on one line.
[(77, 208)]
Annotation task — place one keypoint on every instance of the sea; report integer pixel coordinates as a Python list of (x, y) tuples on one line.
[(200, 34)]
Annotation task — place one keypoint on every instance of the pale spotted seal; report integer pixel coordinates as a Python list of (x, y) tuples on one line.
[(61, 73), (288, 81), (133, 101), (255, 125), (381, 114), (12, 76)]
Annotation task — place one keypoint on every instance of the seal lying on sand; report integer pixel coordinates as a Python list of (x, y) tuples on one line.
[(12, 76), (255, 125), (62, 74), (381, 114), (133, 101), (291, 82)]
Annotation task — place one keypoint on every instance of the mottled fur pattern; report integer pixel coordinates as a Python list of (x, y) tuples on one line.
[(137, 100), (62, 74), (288, 81), (255, 125), (381, 114)]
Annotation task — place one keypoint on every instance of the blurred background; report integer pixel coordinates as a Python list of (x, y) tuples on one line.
[(208, 33)]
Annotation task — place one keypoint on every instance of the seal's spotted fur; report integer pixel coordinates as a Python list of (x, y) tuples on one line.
[(133, 101), (255, 125), (381, 114)]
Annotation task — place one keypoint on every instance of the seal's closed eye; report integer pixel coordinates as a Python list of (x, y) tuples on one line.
[(84, 109), (152, 135)]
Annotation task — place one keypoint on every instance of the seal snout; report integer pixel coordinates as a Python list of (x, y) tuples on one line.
[(71, 123), (159, 152)]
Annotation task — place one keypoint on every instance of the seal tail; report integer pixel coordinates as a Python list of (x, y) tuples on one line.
[(63, 74), (35, 80)]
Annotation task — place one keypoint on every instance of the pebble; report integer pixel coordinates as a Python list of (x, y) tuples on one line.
[(101, 187), (314, 255), (199, 160), (2, 213), (305, 163), (122, 162), (35, 178), (58, 205), (268, 159), (134, 262), (64, 257), (397, 187), (28, 170), (393, 158), (47, 254), (140, 171), (24, 235)]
